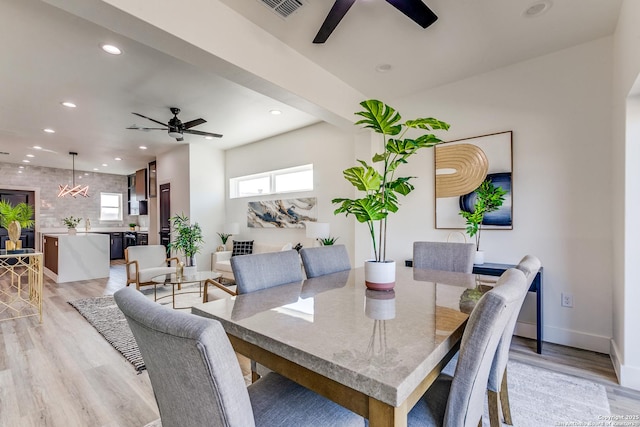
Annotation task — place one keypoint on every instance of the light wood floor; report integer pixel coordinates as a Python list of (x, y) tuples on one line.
[(63, 373)]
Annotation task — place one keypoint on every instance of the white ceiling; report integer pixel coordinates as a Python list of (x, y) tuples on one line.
[(49, 56)]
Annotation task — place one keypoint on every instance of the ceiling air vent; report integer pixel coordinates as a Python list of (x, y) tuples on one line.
[(284, 8)]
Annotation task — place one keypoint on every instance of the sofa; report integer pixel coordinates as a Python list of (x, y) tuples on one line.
[(221, 261)]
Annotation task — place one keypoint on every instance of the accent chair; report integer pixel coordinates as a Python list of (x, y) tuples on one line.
[(446, 256), (144, 262)]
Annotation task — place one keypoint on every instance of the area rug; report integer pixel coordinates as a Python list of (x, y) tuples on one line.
[(104, 315)]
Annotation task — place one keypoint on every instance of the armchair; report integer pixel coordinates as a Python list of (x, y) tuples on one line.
[(145, 262)]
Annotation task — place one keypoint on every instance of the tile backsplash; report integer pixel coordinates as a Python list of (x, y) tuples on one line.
[(53, 208)]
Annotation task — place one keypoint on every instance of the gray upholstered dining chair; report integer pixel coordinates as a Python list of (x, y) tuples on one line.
[(458, 400), (447, 256), (497, 390), (197, 381), (325, 260), (261, 271)]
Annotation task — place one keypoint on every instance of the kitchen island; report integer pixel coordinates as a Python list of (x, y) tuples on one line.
[(73, 257)]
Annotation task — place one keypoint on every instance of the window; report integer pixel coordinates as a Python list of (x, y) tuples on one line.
[(299, 178), (110, 207)]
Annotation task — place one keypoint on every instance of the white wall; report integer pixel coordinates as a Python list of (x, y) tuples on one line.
[(558, 107), (328, 148), (206, 164), (625, 347)]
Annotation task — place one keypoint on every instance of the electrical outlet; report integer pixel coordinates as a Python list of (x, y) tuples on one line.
[(567, 300)]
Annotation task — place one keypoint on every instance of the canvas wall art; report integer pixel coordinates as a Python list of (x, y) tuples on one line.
[(282, 213), (461, 166)]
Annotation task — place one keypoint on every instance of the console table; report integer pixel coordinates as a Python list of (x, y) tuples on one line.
[(493, 269), (20, 284)]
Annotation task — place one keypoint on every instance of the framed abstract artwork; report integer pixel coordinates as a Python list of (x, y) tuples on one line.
[(461, 166), (282, 213)]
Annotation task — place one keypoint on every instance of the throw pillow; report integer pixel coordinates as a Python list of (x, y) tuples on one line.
[(242, 247)]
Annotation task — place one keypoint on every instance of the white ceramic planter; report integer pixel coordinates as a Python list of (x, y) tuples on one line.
[(380, 276), (479, 259), (72, 231), (189, 271)]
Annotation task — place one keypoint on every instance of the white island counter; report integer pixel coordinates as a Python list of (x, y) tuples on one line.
[(83, 256)]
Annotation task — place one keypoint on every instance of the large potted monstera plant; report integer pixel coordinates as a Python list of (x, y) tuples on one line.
[(14, 219), (379, 184)]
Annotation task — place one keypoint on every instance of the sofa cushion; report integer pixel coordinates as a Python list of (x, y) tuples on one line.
[(242, 247), (223, 266)]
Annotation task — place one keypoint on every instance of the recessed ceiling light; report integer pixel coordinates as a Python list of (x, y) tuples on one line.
[(142, 147), (208, 137), (86, 174), (69, 104), (20, 167), (47, 130), (96, 169), (117, 159), (26, 161), (19, 171), (111, 49), (275, 112), (37, 147), (383, 68), (30, 155), (105, 165), (537, 9)]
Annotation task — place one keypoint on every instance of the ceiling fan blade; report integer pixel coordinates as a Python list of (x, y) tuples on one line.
[(143, 128), (148, 118), (198, 132), (193, 123), (337, 12), (416, 10)]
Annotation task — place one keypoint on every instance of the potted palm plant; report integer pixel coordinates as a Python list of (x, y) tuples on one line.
[(187, 239), (488, 199), (14, 219), (380, 186)]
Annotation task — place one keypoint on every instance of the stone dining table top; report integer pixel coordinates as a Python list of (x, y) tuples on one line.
[(382, 344)]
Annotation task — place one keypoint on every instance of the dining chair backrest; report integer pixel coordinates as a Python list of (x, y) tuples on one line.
[(484, 328), (192, 367), (261, 271), (446, 256), (325, 260), (529, 265)]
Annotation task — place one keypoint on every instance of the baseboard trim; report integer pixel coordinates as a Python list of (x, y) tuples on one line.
[(628, 376), (585, 341)]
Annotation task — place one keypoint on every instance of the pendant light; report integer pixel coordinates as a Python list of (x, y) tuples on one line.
[(74, 190)]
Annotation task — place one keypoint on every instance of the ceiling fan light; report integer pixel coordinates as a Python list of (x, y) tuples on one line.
[(174, 133)]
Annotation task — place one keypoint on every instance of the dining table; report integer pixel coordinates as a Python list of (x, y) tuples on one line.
[(373, 352)]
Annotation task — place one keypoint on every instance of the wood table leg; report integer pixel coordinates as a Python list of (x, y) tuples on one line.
[(384, 415)]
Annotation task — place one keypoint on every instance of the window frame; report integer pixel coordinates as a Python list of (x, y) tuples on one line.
[(120, 206), (234, 183)]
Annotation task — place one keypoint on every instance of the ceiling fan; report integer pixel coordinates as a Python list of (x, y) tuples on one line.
[(175, 127), (414, 9)]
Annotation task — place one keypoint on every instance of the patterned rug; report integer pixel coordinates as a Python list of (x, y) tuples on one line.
[(104, 315)]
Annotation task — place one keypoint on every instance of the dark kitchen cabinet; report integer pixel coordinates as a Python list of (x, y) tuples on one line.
[(117, 247)]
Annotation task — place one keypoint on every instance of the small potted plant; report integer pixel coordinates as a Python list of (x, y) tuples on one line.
[(328, 241), (132, 226), (14, 219), (187, 239), (380, 185), (71, 222), (488, 199), (224, 237)]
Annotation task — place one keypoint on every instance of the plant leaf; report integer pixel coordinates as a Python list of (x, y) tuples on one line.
[(379, 117), (427, 123), (364, 179)]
